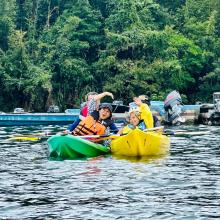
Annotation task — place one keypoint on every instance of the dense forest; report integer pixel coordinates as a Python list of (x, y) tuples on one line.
[(55, 51)]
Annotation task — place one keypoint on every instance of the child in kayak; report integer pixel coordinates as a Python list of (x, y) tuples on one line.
[(140, 117), (92, 103), (97, 122)]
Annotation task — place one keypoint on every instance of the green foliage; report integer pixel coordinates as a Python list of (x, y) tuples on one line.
[(55, 51), (210, 83), (135, 14)]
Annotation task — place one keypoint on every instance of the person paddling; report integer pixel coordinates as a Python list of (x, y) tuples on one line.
[(97, 122), (92, 103), (140, 117)]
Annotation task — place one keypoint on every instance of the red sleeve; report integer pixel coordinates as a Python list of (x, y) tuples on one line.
[(84, 111)]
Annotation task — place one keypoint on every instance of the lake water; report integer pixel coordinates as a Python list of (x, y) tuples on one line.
[(182, 185)]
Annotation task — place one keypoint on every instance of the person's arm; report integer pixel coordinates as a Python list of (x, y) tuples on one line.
[(113, 128), (91, 106), (101, 95), (120, 131), (125, 130), (74, 125), (146, 113)]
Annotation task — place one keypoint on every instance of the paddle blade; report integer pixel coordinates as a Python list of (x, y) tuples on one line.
[(23, 138)]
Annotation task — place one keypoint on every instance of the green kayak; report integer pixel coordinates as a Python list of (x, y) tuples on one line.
[(71, 147)]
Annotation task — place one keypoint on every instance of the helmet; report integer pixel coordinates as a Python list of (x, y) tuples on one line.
[(106, 105)]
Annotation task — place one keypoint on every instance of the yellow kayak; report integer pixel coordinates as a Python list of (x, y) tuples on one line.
[(140, 143)]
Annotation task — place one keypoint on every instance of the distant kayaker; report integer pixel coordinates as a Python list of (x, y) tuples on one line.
[(97, 122), (140, 117), (92, 103)]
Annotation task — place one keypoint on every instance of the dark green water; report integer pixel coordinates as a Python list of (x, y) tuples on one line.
[(182, 185)]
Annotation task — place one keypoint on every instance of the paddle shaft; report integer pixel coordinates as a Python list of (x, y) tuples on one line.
[(109, 136), (190, 133)]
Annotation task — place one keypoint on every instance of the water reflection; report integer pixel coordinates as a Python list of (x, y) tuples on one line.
[(93, 166), (149, 159)]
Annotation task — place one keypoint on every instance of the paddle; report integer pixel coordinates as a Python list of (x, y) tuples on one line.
[(45, 135), (23, 138), (27, 138), (184, 133), (38, 138), (114, 136), (98, 138), (32, 137), (178, 132)]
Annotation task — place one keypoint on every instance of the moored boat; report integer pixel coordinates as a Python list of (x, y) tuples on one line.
[(140, 143), (72, 147)]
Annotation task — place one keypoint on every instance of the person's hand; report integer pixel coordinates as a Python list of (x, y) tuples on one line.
[(66, 132), (110, 94), (137, 101), (120, 132)]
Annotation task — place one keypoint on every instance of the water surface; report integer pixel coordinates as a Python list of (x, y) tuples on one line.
[(182, 185)]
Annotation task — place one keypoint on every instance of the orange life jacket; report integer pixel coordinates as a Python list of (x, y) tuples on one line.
[(89, 126)]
